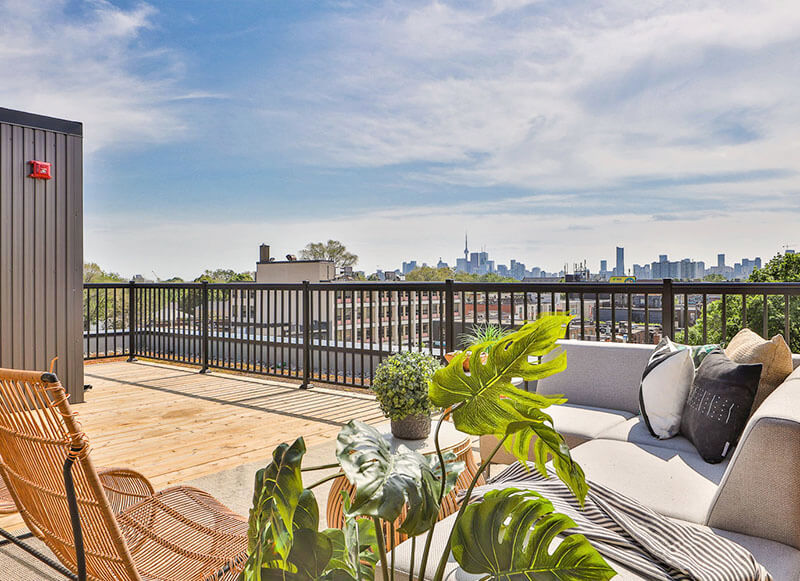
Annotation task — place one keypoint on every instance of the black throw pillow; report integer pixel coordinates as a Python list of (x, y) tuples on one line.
[(719, 404)]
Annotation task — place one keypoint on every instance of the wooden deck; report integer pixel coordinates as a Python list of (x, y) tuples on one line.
[(174, 424)]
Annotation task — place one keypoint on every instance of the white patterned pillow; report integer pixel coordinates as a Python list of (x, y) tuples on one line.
[(664, 389)]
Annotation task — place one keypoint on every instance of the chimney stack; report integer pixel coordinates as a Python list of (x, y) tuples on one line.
[(263, 253)]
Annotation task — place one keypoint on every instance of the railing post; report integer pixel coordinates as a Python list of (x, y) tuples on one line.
[(204, 325), (667, 309), (306, 336), (450, 316), (132, 321)]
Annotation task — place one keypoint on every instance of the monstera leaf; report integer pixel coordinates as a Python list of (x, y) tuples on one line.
[(486, 402), (385, 482), (330, 555), (547, 442), (485, 398), (355, 549), (507, 537), (278, 490)]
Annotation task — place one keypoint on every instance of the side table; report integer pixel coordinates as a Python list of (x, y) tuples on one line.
[(450, 440)]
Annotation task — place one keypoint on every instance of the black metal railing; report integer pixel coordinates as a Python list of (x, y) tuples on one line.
[(337, 332)]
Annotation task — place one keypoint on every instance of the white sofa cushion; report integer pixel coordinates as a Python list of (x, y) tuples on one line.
[(676, 483), (604, 375), (635, 430), (576, 423), (665, 386)]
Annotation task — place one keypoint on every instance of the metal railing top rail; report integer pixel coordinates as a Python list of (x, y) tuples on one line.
[(638, 287)]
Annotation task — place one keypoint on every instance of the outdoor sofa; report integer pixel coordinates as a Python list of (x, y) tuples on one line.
[(752, 497)]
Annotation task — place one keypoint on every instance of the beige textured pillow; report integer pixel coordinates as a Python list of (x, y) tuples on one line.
[(774, 355)]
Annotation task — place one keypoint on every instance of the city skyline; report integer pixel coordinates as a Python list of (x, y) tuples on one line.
[(683, 267)]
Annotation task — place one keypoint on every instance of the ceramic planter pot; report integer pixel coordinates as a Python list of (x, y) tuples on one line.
[(449, 357), (414, 427)]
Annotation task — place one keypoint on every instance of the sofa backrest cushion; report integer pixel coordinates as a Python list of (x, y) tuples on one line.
[(774, 356), (760, 492), (605, 375)]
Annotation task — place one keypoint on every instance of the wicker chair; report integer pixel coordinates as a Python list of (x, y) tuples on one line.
[(109, 525)]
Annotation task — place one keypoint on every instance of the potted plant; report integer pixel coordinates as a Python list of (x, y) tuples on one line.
[(482, 333), (401, 387)]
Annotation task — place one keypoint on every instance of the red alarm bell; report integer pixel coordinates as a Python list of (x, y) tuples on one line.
[(41, 170)]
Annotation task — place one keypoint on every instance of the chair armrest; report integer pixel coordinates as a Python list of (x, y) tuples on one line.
[(760, 492), (124, 487)]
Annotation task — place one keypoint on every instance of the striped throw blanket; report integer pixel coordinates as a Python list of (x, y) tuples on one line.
[(638, 538)]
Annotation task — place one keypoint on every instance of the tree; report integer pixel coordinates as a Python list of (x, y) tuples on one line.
[(782, 268), (93, 273), (224, 275), (332, 250), (101, 304), (429, 273), (714, 278)]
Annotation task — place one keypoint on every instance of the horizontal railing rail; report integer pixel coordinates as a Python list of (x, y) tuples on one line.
[(338, 332)]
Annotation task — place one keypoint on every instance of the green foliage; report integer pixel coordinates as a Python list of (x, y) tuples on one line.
[(332, 250), (401, 384), (283, 538), (781, 268), (429, 273), (386, 481), (714, 278), (483, 333), (104, 306), (93, 273), (507, 536), (224, 275), (486, 402), (278, 489)]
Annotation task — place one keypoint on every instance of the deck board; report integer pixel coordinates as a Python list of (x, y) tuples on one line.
[(174, 424)]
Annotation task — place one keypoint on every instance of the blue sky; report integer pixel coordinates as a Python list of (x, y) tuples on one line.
[(551, 131)]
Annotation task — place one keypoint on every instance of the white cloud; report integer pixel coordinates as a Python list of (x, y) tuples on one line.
[(88, 66), (556, 95)]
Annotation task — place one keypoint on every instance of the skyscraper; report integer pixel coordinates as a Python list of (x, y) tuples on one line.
[(720, 260), (466, 247), (620, 268)]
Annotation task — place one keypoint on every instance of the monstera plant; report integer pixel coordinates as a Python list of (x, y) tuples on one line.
[(509, 534)]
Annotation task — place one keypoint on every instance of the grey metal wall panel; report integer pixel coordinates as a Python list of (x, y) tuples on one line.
[(41, 248)]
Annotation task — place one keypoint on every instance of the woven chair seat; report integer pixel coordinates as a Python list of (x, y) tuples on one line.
[(7, 505), (183, 533)]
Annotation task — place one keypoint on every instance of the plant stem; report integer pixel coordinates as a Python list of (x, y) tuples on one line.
[(323, 481), (446, 552), (439, 454), (320, 467), (427, 549), (381, 546), (413, 554), (391, 540), (424, 564)]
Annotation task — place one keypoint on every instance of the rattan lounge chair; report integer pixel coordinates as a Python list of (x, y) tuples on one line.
[(104, 525)]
